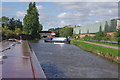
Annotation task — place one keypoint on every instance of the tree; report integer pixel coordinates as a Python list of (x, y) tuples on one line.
[(31, 20), (4, 20), (12, 24), (66, 31), (17, 31), (117, 35), (51, 29), (18, 24), (6, 33), (54, 29), (100, 35), (11, 28), (40, 27)]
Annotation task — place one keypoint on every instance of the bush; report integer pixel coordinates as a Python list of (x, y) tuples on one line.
[(100, 35), (117, 35), (65, 32), (88, 37), (7, 33)]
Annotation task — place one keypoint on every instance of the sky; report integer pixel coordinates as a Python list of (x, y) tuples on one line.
[(53, 14)]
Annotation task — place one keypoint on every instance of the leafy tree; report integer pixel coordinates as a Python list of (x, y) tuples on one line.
[(54, 29), (4, 20), (100, 35), (117, 35), (6, 33), (18, 24), (17, 31), (31, 20), (66, 31), (57, 31), (12, 24), (40, 27), (87, 37), (11, 28), (51, 29)]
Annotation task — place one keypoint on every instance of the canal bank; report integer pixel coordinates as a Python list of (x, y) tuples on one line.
[(20, 63), (105, 51), (68, 61)]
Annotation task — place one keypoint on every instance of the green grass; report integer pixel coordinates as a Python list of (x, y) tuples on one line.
[(105, 43), (110, 44), (87, 46)]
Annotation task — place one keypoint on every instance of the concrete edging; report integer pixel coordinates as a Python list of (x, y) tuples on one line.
[(38, 71)]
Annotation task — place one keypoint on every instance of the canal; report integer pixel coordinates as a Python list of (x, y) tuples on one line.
[(68, 61)]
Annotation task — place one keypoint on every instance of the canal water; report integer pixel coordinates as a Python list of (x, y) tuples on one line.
[(68, 61)]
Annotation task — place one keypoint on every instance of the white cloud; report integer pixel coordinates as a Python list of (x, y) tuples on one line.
[(75, 13), (79, 24), (97, 21), (101, 10), (20, 14), (63, 23), (39, 7), (62, 15)]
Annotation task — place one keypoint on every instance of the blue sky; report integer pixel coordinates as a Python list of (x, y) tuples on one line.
[(59, 14)]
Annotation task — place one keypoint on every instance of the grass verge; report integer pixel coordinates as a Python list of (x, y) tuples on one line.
[(110, 44), (99, 50)]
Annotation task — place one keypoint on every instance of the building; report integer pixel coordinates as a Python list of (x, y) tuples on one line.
[(118, 24), (47, 33), (108, 26)]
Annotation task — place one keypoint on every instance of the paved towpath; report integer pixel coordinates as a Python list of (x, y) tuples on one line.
[(100, 44), (17, 64), (20, 63)]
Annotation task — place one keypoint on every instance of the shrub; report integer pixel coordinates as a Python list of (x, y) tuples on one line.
[(65, 32)]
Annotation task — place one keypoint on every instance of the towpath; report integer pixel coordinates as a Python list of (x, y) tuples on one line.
[(19, 62), (100, 44)]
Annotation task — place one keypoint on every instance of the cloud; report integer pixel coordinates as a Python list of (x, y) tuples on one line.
[(97, 21), (74, 13), (39, 7), (86, 10), (20, 14), (62, 15)]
